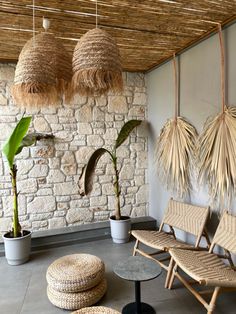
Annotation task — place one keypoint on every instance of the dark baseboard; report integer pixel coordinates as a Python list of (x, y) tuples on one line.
[(42, 240)]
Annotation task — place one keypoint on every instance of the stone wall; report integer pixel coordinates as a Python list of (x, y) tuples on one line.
[(48, 173)]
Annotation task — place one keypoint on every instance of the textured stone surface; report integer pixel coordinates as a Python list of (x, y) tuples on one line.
[(48, 172), (117, 104), (80, 214), (67, 188), (42, 204)]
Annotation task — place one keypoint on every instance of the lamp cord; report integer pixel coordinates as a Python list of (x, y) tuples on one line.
[(96, 13), (176, 87), (222, 67), (34, 22)]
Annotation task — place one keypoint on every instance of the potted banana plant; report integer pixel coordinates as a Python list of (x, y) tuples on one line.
[(120, 225), (17, 242)]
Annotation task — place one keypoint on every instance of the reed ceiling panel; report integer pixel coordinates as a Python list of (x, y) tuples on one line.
[(148, 32)]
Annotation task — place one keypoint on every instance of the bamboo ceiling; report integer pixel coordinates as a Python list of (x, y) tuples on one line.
[(148, 32)]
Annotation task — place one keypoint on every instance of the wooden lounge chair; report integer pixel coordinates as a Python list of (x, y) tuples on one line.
[(186, 217), (207, 268)]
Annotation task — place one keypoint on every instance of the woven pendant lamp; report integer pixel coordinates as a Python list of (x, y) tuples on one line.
[(43, 72), (96, 65)]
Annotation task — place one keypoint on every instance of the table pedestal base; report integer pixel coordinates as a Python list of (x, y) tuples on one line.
[(131, 308)]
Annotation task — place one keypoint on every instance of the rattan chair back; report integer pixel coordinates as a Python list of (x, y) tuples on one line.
[(225, 235), (186, 217)]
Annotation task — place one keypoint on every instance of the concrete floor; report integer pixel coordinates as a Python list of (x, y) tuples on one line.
[(23, 288)]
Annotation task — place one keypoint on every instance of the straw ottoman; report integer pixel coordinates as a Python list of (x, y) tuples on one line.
[(76, 281), (96, 310)]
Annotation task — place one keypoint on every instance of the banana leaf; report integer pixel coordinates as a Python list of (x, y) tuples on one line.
[(14, 142), (126, 130), (86, 177)]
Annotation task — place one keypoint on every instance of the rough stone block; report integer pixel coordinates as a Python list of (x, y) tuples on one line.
[(57, 222), (7, 202), (5, 224), (3, 100), (142, 195), (117, 104), (84, 114), (98, 201), (83, 154), (42, 151), (95, 140), (27, 186), (41, 125), (81, 214), (127, 172), (68, 158), (66, 188), (42, 204), (85, 128), (7, 73), (39, 171)]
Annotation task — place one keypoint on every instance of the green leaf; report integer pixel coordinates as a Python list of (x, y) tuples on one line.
[(126, 130), (86, 177), (11, 146)]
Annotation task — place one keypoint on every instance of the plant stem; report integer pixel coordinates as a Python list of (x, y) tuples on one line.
[(16, 225), (116, 188)]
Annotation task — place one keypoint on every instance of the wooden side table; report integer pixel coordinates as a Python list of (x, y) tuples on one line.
[(137, 269)]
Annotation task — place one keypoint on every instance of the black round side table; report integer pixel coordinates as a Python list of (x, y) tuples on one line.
[(137, 269)]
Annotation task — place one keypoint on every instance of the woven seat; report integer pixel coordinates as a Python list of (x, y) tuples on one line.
[(186, 217), (76, 272), (96, 310), (78, 300), (158, 240), (208, 268)]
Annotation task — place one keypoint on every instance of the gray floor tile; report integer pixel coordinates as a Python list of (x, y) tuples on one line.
[(23, 288)]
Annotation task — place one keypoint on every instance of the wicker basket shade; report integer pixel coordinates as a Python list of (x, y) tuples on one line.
[(96, 65), (43, 72), (96, 310), (77, 300)]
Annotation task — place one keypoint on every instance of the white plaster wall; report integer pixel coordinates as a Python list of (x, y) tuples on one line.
[(199, 98)]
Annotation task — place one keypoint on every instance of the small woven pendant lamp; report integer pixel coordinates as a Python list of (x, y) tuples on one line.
[(96, 64), (43, 72)]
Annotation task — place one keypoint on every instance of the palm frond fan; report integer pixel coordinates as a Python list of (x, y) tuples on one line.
[(217, 148), (96, 65), (175, 148), (43, 72)]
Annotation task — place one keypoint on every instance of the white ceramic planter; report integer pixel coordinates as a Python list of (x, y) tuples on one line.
[(17, 250), (120, 229)]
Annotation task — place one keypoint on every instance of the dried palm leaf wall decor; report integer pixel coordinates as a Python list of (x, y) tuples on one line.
[(175, 148), (43, 72), (217, 148)]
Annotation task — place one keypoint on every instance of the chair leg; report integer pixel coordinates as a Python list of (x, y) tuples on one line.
[(169, 272), (135, 247), (172, 277), (213, 300)]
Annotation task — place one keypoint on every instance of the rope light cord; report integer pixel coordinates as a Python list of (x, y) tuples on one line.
[(222, 67), (34, 22), (176, 87), (96, 13)]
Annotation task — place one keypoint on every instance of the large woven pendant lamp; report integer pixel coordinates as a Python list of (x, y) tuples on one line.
[(96, 64), (43, 72)]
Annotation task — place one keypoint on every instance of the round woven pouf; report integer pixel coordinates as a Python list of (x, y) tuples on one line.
[(96, 310), (78, 300), (75, 273)]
